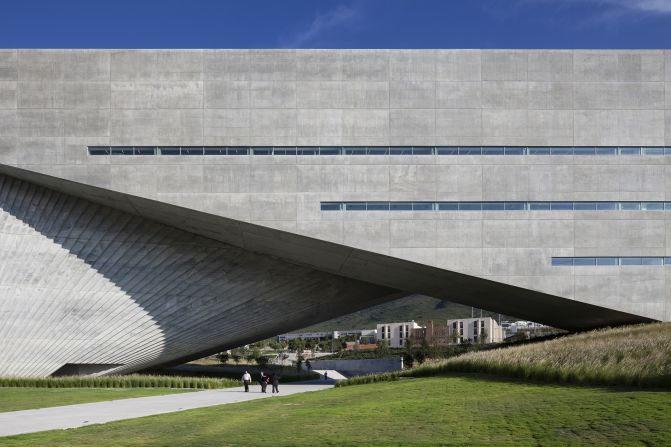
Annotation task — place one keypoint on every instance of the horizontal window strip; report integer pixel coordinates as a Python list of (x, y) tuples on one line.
[(495, 206), (610, 261), (378, 150)]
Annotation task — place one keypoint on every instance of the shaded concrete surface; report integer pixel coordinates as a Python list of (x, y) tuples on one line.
[(73, 416), (331, 374)]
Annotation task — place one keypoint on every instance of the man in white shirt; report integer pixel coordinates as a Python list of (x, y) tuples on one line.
[(246, 379)]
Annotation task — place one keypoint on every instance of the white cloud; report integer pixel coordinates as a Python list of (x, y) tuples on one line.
[(649, 6), (342, 15)]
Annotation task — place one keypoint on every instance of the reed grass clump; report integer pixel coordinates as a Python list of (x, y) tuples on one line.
[(630, 356), (127, 381)]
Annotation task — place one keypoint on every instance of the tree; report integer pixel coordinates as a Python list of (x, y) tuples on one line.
[(482, 338), (299, 361), (223, 357), (262, 360), (236, 357), (408, 360), (382, 348)]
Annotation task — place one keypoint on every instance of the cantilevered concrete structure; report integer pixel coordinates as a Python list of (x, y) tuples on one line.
[(156, 206)]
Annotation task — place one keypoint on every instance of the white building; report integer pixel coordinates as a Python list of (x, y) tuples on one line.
[(395, 334), (476, 330)]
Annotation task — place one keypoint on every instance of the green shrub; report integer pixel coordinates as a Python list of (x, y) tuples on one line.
[(128, 381)]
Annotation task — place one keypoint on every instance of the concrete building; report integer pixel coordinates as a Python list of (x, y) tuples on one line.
[(158, 206), (327, 334), (475, 330), (395, 334)]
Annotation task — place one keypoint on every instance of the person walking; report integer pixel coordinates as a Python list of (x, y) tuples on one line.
[(246, 379), (263, 382), (276, 383), (326, 375)]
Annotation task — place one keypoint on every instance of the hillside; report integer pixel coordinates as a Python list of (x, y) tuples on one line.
[(414, 307)]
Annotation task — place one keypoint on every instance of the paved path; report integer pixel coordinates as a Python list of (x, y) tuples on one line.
[(72, 416), (332, 374)]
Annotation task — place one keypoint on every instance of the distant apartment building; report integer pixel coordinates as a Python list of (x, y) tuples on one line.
[(475, 330), (395, 334), (466, 330)]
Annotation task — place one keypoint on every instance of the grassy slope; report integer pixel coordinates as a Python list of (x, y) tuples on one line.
[(436, 411), (633, 355), (415, 307), (14, 399), (637, 355)]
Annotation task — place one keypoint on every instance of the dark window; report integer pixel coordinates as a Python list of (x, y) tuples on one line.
[(468, 150), (307, 151), (263, 151), (583, 151), (422, 151), (607, 261), (605, 150), (284, 151), (652, 206), (329, 151), (422, 206), (377, 206), (539, 151), (653, 151), (238, 151), (470, 206), (630, 261), (400, 206), (145, 151), (630, 206), (667, 261), (99, 150), (447, 150), (215, 151), (168, 150), (493, 206), (330, 206), (561, 151), (561, 206), (584, 206), (493, 150), (562, 261), (652, 261), (606, 206), (515, 206), (192, 151), (122, 150), (355, 206), (354, 150), (584, 261), (515, 151), (630, 151), (448, 206), (377, 150), (400, 150), (539, 206)]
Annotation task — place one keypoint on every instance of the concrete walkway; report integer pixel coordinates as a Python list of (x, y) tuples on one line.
[(73, 416)]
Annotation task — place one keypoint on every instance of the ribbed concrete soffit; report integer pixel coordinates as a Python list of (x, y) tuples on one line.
[(252, 247), (83, 283)]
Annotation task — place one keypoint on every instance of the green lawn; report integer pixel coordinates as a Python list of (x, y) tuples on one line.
[(13, 399), (434, 411)]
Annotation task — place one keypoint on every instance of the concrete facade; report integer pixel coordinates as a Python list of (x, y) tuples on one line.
[(55, 103)]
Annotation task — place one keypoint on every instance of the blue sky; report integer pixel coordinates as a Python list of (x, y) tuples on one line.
[(335, 24)]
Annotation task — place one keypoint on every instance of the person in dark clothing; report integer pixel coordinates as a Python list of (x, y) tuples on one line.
[(263, 382), (326, 375), (276, 383)]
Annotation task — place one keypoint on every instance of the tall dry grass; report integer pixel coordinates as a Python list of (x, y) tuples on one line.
[(633, 355)]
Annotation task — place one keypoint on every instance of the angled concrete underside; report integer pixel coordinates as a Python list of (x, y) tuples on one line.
[(87, 284), (55, 103)]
